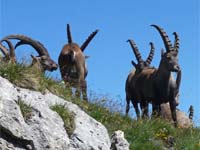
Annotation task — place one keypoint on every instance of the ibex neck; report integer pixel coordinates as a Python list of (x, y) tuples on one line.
[(163, 74), (162, 79)]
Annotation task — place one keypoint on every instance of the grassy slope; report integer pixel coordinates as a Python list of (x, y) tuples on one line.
[(143, 134)]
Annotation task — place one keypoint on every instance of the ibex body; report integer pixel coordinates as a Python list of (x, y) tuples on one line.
[(155, 85), (141, 65), (72, 63), (43, 61)]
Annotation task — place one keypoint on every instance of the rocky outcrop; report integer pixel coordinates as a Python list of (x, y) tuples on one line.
[(45, 128), (118, 142), (183, 120)]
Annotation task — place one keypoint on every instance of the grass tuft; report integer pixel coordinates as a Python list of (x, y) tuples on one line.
[(26, 110), (67, 117)]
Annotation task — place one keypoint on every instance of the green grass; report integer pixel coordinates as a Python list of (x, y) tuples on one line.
[(143, 134), (67, 117), (26, 110)]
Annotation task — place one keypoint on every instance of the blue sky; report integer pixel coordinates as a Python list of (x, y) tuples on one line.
[(110, 54)]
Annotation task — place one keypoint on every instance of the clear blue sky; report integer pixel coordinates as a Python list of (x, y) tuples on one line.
[(110, 54)]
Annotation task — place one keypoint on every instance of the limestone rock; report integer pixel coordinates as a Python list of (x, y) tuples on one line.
[(183, 120), (118, 142), (44, 129)]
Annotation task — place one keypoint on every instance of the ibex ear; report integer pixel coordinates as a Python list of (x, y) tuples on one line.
[(44, 57), (86, 56), (34, 59), (133, 63)]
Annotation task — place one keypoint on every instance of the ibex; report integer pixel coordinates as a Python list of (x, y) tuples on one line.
[(72, 64), (155, 85), (129, 88), (43, 61)]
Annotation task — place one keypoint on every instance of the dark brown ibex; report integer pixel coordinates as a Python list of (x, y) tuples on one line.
[(43, 60), (138, 68), (155, 85), (73, 65)]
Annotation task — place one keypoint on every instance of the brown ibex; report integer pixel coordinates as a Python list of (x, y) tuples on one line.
[(155, 85), (138, 68), (43, 61), (73, 65)]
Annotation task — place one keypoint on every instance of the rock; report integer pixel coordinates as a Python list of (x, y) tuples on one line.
[(183, 120), (118, 142), (44, 129)]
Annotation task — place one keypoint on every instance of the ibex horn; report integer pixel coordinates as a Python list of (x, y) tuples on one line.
[(165, 38), (39, 47), (4, 51), (91, 36), (135, 51), (69, 36), (151, 54), (11, 48), (176, 42)]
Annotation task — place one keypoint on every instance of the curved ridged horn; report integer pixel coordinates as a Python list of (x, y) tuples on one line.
[(165, 38), (11, 47), (151, 54), (69, 36), (135, 51), (91, 36), (4, 50), (176, 41), (39, 47)]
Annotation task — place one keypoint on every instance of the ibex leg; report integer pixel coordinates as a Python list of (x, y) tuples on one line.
[(127, 105), (156, 109), (144, 108), (78, 92), (69, 89), (173, 111), (84, 91), (137, 111)]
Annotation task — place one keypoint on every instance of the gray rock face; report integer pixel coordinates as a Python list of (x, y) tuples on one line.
[(183, 120), (118, 142), (45, 130)]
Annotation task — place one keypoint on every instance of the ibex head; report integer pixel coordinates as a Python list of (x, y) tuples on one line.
[(46, 62), (141, 63), (170, 57)]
